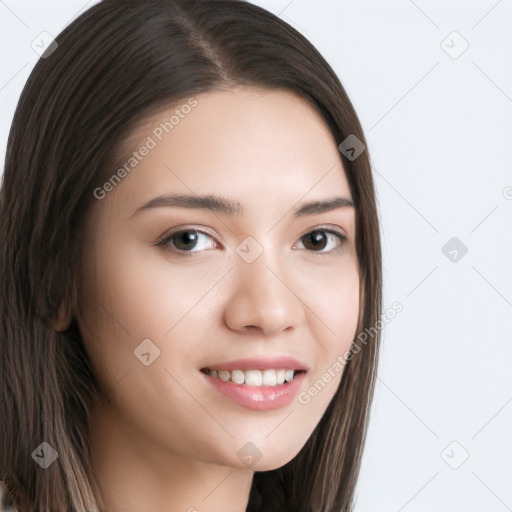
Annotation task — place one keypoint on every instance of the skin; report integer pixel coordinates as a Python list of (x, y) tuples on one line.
[(163, 438)]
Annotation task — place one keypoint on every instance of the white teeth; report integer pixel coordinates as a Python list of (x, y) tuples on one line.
[(224, 375), (237, 376), (269, 378), (254, 377)]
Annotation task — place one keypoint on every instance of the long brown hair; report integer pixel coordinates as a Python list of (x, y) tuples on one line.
[(118, 62)]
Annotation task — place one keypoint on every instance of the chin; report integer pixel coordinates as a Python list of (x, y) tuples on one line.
[(269, 458)]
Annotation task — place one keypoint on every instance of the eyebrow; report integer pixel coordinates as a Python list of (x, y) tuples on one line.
[(229, 206)]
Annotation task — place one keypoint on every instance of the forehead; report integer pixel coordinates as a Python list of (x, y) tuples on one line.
[(244, 143)]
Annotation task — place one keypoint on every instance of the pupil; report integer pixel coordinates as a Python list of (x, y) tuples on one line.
[(318, 238), (187, 239)]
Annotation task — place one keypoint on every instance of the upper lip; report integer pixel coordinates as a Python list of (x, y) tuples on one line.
[(260, 363)]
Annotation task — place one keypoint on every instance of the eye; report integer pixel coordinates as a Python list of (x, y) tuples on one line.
[(185, 240), (323, 240)]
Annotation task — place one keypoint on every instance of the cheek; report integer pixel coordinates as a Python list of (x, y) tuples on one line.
[(140, 289), (333, 320), (143, 295), (333, 298), (127, 301)]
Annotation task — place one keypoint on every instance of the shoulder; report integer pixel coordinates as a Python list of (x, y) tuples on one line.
[(6, 504)]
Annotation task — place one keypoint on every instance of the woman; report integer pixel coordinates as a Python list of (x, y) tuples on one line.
[(190, 247)]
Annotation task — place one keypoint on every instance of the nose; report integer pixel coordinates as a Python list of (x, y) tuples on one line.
[(264, 299)]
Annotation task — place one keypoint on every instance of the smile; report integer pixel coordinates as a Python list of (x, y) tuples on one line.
[(269, 377), (255, 392)]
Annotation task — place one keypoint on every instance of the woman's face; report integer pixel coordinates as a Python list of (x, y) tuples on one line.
[(259, 279)]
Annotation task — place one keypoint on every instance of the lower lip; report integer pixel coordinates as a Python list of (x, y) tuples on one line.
[(259, 398)]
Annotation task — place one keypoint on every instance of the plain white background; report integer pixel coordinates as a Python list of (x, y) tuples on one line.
[(436, 107)]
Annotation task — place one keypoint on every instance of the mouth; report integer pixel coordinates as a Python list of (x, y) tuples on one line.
[(255, 378), (261, 384)]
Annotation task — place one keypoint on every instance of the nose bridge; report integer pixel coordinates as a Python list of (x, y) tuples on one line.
[(260, 273), (261, 297)]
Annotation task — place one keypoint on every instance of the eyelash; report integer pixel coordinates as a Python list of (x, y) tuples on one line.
[(166, 238)]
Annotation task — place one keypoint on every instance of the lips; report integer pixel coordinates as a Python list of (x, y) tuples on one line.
[(260, 363), (261, 383)]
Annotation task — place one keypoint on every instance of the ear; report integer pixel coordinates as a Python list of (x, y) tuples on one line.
[(62, 321)]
